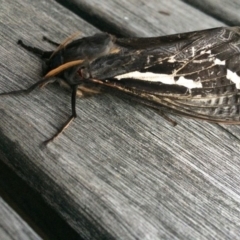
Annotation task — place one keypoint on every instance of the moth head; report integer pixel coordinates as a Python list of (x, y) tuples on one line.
[(75, 75)]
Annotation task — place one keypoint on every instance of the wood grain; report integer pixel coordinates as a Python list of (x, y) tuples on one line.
[(120, 170), (226, 11), (12, 226), (144, 18)]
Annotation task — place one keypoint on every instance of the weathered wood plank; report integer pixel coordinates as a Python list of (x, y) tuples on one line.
[(227, 11), (12, 226), (120, 170), (30, 205), (145, 18)]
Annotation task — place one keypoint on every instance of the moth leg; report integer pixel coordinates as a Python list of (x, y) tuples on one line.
[(70, 119), (88, 91), (50, 41), (37, 51), (40, 83)]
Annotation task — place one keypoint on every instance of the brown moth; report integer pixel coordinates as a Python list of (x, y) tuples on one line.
[(195, 74)]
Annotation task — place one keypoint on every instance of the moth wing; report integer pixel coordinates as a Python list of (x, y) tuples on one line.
[(196, 76)]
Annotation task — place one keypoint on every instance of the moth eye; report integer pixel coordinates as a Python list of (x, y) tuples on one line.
[(83, 73)]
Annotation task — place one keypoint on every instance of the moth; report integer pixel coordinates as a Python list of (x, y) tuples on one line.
[(194, 74)]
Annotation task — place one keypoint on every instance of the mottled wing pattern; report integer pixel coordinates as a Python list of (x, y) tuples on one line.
[(194, 74)]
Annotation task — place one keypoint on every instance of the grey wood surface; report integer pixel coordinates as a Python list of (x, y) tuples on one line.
[(13, 226), (227, 11), (146, 18), (119, 171)]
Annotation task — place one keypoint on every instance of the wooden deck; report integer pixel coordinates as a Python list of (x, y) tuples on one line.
[(12, 226), (120, 171)]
